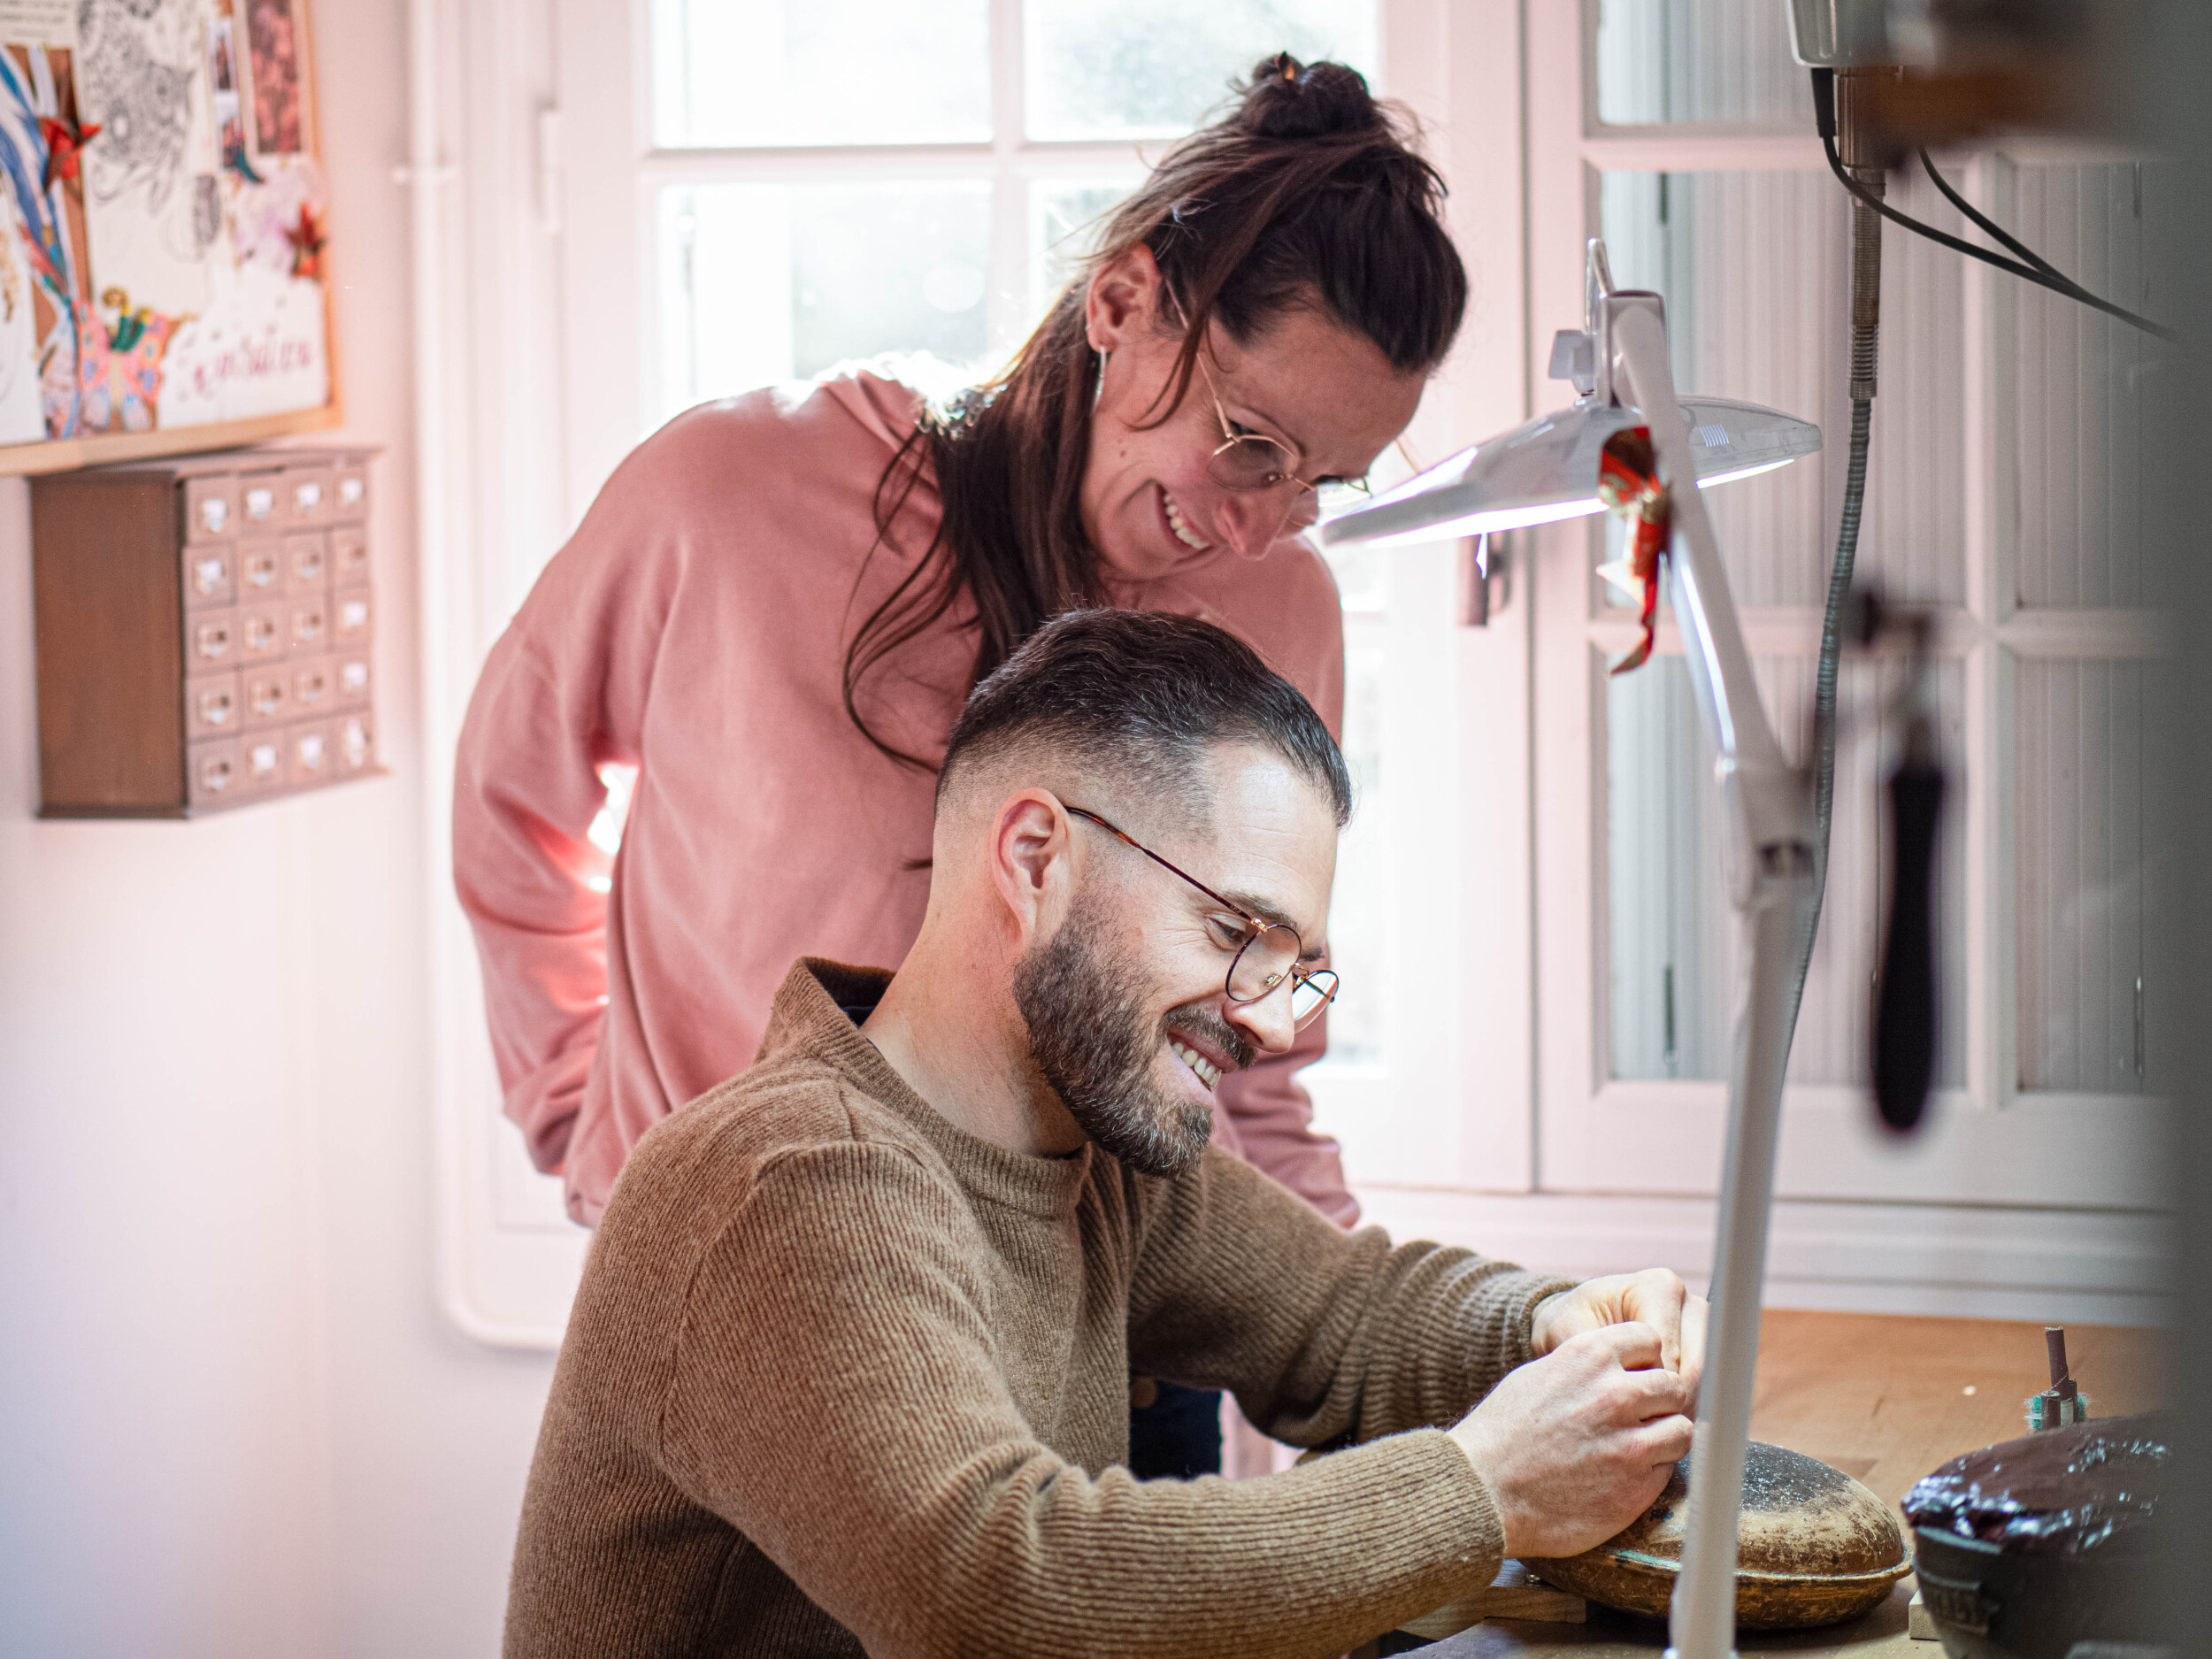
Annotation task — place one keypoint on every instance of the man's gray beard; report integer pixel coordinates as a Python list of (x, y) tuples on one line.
[(1089, 1037)]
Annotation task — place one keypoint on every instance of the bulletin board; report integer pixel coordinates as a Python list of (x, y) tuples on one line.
[(163, 261)]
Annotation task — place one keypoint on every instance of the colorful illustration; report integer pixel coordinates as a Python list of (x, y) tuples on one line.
[(131, 169), (306, 237), (64, 148), (272, 43), (222, 74)]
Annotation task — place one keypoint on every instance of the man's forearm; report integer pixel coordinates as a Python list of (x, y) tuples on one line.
[(1324, 1337)]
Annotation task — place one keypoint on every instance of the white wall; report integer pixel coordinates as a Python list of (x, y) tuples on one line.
[(232, 1421)]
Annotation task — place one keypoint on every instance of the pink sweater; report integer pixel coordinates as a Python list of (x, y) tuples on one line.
[(695, 627)]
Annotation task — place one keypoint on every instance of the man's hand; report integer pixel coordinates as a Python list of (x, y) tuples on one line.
[(1578, 1444), (1656, 1297)]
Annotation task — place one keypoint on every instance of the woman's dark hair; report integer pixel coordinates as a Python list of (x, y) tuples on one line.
[(1308, 187), (1143, 694)]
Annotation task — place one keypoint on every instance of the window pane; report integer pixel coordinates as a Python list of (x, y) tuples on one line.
[(1677, 957), (2080, 875), (1700, 60), (1152, 68), (1754, 266), (761, 282), (1065, 219), (2082, 377), (826, 71)]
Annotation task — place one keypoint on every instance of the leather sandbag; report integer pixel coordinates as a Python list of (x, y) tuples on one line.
[(1812, 1547)]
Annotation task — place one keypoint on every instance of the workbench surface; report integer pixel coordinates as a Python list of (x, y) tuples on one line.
[(1885, 1399)]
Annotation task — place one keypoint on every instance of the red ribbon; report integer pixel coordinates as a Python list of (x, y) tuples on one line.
[(1628, 483)]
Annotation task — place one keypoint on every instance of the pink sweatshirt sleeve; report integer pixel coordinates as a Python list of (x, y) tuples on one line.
[(1287, 606), (561, 694), (1273, 1117)]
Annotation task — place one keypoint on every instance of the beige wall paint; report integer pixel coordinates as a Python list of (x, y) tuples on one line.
[(231, 1420)]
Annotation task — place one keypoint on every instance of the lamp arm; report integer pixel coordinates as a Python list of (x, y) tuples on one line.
[(1712, 638), (1767, 817)]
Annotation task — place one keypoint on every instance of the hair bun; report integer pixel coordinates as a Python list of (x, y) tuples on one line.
[(1287, 99)]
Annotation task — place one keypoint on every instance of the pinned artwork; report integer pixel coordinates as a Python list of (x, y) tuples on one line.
[(163, 245)]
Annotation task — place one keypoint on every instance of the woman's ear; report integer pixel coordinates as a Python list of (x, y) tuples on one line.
[(1123, 301)]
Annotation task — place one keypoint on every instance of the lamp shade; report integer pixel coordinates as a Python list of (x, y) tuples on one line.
[(1548, 470)]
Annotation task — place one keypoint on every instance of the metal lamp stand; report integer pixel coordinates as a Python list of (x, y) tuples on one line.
[(1768, 864)]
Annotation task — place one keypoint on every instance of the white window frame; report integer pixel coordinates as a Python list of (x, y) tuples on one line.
[(1503, 1136), (526, 92), (1988, 1143)]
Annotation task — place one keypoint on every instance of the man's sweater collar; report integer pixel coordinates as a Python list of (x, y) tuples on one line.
[(809, 1017)]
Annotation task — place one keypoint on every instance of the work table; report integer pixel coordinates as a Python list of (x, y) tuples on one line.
[(1885, 1398)]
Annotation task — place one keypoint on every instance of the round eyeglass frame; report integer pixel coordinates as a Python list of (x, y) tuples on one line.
[(1319, 983), (1233, 441)]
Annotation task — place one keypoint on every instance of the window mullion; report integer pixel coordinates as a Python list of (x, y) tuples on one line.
[(1009, 107), (1007, 290)]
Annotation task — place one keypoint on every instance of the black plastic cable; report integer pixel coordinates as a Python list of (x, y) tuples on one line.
[(1990, 226), (1823, 734), (1866, 323), (2026, 273)]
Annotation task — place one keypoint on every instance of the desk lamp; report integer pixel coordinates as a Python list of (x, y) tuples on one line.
[(1582, 460)]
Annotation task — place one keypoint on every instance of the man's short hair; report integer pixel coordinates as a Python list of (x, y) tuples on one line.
[(1145, 695)]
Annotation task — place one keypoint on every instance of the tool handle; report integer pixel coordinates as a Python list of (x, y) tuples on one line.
[(2055, 1350), (1905, 1010)]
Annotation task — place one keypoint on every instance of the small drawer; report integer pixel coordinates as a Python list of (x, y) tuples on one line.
[(353, 680), (314, 686), (210, 508), (267, 697), (352, 618), (211, 706), (349, 557), (261, 760), (309, 754), (349, 490), (307, 625), (260, 570), (311, 494), (212, 639), (307, 562), (263, 629), (211, 575), (215, 772), (262, 503), (354, 740)]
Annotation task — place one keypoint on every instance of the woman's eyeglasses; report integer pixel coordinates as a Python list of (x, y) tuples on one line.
[(1267, 953), (1246, 461)]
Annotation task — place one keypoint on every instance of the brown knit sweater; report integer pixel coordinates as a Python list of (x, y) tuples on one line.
[(842, 1378)]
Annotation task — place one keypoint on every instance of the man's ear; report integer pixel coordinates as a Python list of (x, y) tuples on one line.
[(1123, 301), (1031, 845)]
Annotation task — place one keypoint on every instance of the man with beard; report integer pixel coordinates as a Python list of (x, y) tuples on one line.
[(848, 1369)]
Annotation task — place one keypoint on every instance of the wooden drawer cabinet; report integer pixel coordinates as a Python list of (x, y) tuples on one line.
[(203, 630)]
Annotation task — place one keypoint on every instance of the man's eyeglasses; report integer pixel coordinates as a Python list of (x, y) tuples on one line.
[(1267, 952)]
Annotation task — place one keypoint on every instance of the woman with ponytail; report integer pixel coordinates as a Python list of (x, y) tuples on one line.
[(778, 604)]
